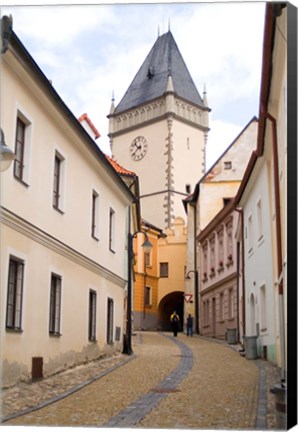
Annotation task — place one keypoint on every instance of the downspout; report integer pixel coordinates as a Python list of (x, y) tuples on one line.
[(278, 241), (238, 270), (240, 211)]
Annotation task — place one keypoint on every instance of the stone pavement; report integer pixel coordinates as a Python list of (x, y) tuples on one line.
[(169, 383)]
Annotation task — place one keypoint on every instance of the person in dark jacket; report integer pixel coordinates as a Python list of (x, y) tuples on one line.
[(189, 325), (175, 322)]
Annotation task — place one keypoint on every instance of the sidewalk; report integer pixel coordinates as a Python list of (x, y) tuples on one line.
[(155, 358)]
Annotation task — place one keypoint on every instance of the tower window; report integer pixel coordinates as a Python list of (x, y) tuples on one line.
[(188, 188), (227, 165)]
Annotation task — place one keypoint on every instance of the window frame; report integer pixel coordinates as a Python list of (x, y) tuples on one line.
[(15, 321), (148, 296), (95, 215), (19, 162), (55, 305), (112, 224), (92, 315), (165, 272)]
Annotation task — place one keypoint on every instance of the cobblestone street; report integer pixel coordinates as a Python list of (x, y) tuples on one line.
[(168, 383)]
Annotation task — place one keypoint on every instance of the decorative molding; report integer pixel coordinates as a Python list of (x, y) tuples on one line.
[(155, 111), (36, 234)]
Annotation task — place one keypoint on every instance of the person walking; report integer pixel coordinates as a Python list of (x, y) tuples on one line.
[(189, 325), (175, 323)]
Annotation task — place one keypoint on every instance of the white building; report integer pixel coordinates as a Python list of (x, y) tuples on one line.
[(64, 225)]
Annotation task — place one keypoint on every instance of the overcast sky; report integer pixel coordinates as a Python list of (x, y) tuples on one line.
[(92, 52)]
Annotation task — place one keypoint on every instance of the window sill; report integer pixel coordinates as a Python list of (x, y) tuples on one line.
[(14, 330), (52, 334), (58, 210), (95, 238), (112, 250), (21, 181)]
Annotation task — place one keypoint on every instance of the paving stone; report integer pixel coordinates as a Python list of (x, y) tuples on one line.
[(169, 383)]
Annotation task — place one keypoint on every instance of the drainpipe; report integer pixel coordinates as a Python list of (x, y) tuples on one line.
[(278, 242), (240, 211)]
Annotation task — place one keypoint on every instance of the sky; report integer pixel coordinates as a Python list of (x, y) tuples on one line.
[(92, 52)]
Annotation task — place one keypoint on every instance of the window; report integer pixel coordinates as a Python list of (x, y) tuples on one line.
[(231, 303), (164, 270), (212, 254), (221, 306), (229, 231), (92, 316), (227, 165), (110, 321), (260, 222), (15, 294), (55, 305), (188, 188), (263, 320), (94, 216), (226, 201), (19, 149), (250, 233), (58, 184), (111, 230), (205, 260), (22, 148), (148, 259), (148, 300), (220, 248)]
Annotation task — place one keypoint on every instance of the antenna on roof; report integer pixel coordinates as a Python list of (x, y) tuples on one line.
[(158, 31), (169, 25)]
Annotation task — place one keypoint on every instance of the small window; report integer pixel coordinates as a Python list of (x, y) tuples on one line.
[(112, 230), (250, 233), (148, 300), (55, 305), (110, 321), (164, 270), (227, 165), (188, 188), (58, 182), (226, 201), (94, 215), (15, 294), (92, 316), (260, 221), (231, 303), (19, 149)]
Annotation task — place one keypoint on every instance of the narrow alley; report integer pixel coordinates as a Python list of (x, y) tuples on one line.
[(183, 382)]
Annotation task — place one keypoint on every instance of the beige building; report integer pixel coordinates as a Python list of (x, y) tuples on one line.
[(212, 193), (65, 216)]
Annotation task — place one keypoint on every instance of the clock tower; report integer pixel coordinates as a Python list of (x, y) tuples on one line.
[(159, 130)]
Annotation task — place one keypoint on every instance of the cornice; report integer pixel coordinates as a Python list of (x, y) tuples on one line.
[(219, 283), (34, 233), (155, 111)]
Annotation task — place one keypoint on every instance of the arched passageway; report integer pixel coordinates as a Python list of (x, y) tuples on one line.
[(171, 302)]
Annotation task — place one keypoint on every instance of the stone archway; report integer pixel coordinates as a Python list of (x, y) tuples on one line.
[(169, 303)]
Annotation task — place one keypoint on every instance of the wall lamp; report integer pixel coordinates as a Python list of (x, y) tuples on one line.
[(7, 155)]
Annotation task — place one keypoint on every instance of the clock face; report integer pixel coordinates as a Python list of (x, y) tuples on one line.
[(138, 148)]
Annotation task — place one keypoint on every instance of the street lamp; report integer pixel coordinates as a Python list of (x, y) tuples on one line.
[(7, 155), (147, 246), (196, 297)]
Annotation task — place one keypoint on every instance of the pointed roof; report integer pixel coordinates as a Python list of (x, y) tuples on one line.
[(151, 80)]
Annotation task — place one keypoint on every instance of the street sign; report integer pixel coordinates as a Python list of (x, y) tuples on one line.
[(187, 297)]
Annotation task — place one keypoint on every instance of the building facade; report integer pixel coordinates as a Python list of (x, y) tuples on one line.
[(215, 190), (64, 222), (219, 263), (160, 126)]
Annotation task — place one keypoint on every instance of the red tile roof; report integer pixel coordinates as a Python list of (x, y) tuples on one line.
[(120, 170)]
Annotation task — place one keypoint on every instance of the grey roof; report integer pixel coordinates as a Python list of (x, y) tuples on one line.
[(150, 82)]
